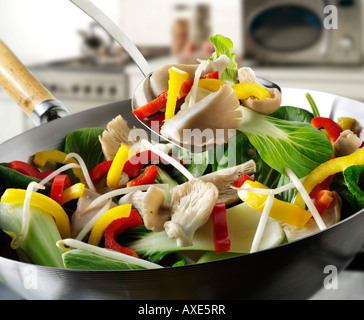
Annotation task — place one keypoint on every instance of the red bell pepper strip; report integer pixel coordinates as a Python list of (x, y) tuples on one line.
[(160, 102), (244, 177), (187, 85), (222, 241), (322, 196), (24, 168), (152, 107), (57, 188), (332, 128), (100, 170), (147, 177), (29, 170), (117, 227)]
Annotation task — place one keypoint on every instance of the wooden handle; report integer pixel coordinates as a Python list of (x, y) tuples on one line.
[(19, 82)]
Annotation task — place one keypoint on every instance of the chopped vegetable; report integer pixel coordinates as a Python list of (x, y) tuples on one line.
[(46, 204), (242, 221), (331, 127), (57, 188), (245, 90), (73, 192), (118, 226), (147, 177), (176, 79), (281, 210), (101, 224), (40, 242), (116, 168), (102, 252), (100, 171), (244, 177), (24, 168), (327, 169), (81, 259), (152, 107), (42, 157), (222, 241)]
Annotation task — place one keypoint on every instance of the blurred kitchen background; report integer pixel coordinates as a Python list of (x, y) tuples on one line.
[(288, 42)]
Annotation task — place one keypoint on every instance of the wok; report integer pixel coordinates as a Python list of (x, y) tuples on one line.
[(290, 271)]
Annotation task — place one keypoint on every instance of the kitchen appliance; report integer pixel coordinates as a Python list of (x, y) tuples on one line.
[(303, 31)]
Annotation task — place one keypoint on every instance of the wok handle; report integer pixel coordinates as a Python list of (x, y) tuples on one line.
[(22, 86)]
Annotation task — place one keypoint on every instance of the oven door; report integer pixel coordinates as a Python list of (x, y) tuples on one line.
[(283, 31)]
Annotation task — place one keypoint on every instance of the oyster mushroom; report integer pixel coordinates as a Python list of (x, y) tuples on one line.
[(265, 106), (151, 207), (330, 216), (117, 132), (191, 207), (347, 143), (219, 110), (224, 178), (159, 78)]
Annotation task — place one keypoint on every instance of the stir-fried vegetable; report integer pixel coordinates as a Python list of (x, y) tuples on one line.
[(125, 206)]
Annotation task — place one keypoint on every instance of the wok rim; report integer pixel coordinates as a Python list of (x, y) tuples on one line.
[(199, 265)]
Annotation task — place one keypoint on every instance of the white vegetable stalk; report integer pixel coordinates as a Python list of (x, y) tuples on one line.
[(262, 223), (83, 167), (76, 244), (16, 243), (306, 197)]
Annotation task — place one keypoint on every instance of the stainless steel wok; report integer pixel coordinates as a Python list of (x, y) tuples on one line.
[(291, 271)]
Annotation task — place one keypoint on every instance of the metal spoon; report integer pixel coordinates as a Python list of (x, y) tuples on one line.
[(142, 93)]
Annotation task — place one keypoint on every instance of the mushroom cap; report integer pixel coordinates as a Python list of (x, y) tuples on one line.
[(191, 207)]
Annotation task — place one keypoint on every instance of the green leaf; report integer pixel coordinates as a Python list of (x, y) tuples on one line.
[(280, 143), (351, 178), (224, 45), (80, 259), (85, 142)]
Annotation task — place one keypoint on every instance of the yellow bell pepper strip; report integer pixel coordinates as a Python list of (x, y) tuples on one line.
[(118, 226), (122, 211), (38, 200), (327, 169), (117, 165), (73, 192), (245, 90), (281, 210), (242, 90), (176, 79), (42, 157), (212, 85)]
